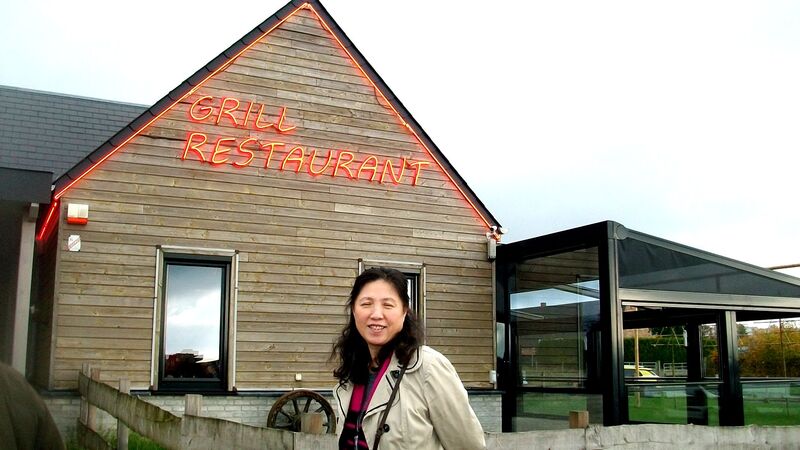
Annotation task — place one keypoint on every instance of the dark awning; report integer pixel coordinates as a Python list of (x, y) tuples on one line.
[(25, 186)]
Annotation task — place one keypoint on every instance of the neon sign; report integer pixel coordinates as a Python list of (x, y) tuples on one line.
[(62, 188), (240, 153)]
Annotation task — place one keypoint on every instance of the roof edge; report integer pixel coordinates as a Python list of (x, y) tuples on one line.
[(193, 82), (404, 114), (137, 125), (64, 95)]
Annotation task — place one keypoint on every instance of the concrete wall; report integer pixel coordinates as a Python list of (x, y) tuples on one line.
[(489, 409), (649, 437), (66, 409)]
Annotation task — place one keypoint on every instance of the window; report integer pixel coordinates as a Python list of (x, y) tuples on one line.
[(194, 304), (414, 297), (555, 339)]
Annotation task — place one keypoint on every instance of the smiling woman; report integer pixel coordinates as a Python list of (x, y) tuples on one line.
[(391, 387)]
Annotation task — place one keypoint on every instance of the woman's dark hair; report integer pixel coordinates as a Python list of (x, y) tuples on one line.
[(351, 349)]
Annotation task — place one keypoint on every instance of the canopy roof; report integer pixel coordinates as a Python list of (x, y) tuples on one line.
[(652, 271)]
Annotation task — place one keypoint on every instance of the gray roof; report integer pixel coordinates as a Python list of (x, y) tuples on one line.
[(52, 132)]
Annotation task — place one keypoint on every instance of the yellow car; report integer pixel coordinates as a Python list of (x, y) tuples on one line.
[(644, 372), (646, 376)]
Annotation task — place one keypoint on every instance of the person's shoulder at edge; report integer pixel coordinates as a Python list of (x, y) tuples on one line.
[(33, 426)]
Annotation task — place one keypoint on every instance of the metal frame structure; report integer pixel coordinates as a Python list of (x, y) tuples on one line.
[(692, 308)]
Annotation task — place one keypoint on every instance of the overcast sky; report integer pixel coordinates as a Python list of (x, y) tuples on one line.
[(679, 119)]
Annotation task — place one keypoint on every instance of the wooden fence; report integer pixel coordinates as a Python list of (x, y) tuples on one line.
[(173, 432), (194, 432)]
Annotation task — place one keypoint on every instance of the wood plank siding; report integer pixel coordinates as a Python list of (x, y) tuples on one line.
[(299, 236)]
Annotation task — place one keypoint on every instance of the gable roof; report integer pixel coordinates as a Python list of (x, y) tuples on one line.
[(45, 131), (194, 82)]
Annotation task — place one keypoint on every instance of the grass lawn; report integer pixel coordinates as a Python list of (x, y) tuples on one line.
[(664, 409), (772, 411), (135, 441)]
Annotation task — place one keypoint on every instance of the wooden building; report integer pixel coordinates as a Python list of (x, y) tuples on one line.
[(210, 244)]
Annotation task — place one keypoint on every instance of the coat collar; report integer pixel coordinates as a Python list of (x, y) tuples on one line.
[(383, 391)]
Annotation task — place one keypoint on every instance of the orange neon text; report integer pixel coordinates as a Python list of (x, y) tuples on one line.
[(335, 163), (232, 111)]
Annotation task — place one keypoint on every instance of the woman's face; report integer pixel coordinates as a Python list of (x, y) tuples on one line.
[(379, 314)]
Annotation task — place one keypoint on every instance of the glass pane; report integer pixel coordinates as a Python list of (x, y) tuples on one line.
[(552, 340), (769, 363), (679, 403), (771, 402), (556, 314), (550, 411), (657, 366), (662, 351), (769, 348), (413, 293), (555, 321), (192, 319)]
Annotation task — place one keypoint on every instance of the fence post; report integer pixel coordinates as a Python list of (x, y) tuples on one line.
[(193, 404), (578, 419), (122, 430), (91, 413), (311, 423), (85, 370)]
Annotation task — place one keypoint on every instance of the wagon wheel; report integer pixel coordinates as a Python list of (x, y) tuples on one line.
[(289, 408)]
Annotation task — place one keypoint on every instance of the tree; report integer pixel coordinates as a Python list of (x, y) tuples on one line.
[(771, 352)]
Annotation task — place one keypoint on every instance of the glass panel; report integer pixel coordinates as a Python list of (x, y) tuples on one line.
[(662, 351), (192, 320), (550, 411), (771, 402), (770, 349), (680, 403), (657, 366), (555, 321), (556, 313), (413, 293), (647, 266)]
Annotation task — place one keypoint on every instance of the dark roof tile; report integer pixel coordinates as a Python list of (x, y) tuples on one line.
[(142, 120), (52, 132), (199, 76)]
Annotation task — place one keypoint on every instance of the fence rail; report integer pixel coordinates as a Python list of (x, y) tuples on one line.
[(191, 431)]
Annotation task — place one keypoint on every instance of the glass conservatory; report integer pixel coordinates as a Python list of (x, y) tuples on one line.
[(636, 329)]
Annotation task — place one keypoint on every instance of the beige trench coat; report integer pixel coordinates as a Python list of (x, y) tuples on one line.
[(431, 409)]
